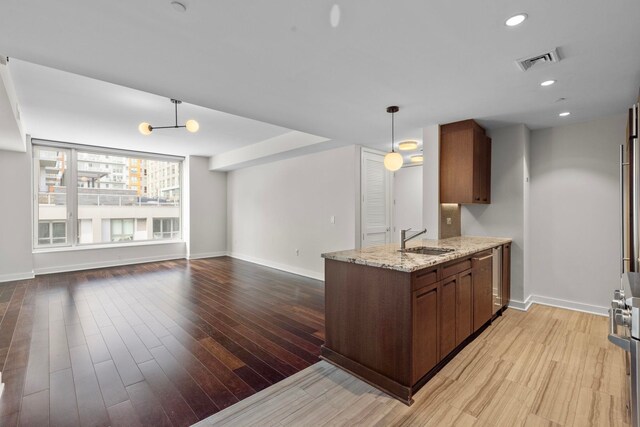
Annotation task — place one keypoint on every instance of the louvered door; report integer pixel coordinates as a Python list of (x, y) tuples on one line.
[(376, 200)]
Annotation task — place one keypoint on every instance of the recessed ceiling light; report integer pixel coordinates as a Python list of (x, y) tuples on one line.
[(334, 16), (417, 158), (516, 20), (564, 114), (547, 83)]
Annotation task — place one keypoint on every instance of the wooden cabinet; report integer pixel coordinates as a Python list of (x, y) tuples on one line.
[(465, 163), (506, 274), (396, 329), (448, 315), (464, 306), (426, 315), (482, 289)]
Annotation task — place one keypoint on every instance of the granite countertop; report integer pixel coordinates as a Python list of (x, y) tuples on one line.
[(388, 256)]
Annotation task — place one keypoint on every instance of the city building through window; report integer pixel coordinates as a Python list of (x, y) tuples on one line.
[(104, 196)]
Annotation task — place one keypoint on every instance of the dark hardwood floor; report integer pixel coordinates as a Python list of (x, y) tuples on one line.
[(166, 343)]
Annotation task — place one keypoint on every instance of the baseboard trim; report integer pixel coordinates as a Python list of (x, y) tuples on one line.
[(207, 255), (521, 305), (570, 305), (16, 276), (559, 303), (106, 264), (282, 267)]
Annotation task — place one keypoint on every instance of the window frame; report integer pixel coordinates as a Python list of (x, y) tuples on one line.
[(72, 228)]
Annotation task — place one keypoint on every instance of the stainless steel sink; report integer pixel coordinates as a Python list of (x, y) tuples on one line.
[(425, 250)]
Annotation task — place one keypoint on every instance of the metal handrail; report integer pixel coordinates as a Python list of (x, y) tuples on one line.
[(100, 199)]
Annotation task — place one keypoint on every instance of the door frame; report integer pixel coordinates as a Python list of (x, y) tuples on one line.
[(360, 216)]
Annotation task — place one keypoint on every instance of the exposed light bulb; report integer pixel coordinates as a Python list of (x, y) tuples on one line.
[(192, 126), (145, 128), (393, 161)]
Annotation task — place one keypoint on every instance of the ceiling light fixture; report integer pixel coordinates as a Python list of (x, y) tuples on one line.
[(393, 161), (191, 125), (417, 158), (334, 16), (547, 83), (564, 114), (516, 20), (408, 145)]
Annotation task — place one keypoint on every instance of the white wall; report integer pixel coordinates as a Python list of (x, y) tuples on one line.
[(505, 216), (207, 201), (87, 258), (574, 212), (407, 193), (431, 181), (276, 208), (11, 132), (15, 216)]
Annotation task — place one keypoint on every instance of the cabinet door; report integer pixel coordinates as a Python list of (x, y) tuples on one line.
[(506, 274), (482, 290), (425, 330), (464, 306), (448, 316), (456, 166), (481, 167)]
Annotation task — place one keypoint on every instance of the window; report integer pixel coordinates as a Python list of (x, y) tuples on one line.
[(121, 230), (107, 203), (52, 232), (166, 228)]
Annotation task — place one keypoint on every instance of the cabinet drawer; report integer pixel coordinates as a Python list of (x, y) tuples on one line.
[(426, 277), (455, 268)]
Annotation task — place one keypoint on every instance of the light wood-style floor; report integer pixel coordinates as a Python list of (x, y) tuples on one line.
[(545, 367)]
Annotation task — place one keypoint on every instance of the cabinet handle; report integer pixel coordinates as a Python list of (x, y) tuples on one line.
[(483, 258)]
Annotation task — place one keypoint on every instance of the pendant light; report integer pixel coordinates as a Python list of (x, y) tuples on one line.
[(393, 161), (191, 125)]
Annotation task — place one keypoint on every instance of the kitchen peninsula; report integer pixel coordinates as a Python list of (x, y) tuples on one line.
[(395, 318)]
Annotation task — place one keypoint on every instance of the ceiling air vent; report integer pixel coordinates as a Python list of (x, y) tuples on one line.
[(525, 63)]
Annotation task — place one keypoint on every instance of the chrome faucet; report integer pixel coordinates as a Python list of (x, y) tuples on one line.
[(404, 239)]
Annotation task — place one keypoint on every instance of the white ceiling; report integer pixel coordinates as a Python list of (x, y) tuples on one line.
[(282, 62), (62, 106)]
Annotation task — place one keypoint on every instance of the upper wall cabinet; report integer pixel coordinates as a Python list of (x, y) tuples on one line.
[(465, 163)]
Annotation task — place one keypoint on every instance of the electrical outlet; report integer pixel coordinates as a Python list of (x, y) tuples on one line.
[(332, 219), (448, 221)]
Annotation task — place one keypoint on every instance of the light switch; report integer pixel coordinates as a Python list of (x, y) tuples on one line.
[(448, 221), (332, 219)]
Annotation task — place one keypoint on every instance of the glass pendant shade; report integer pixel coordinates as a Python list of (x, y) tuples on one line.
[(192, 126), (393, 161), (144, 128)]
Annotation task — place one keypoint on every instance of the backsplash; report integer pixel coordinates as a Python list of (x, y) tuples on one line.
[(450, 211)]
